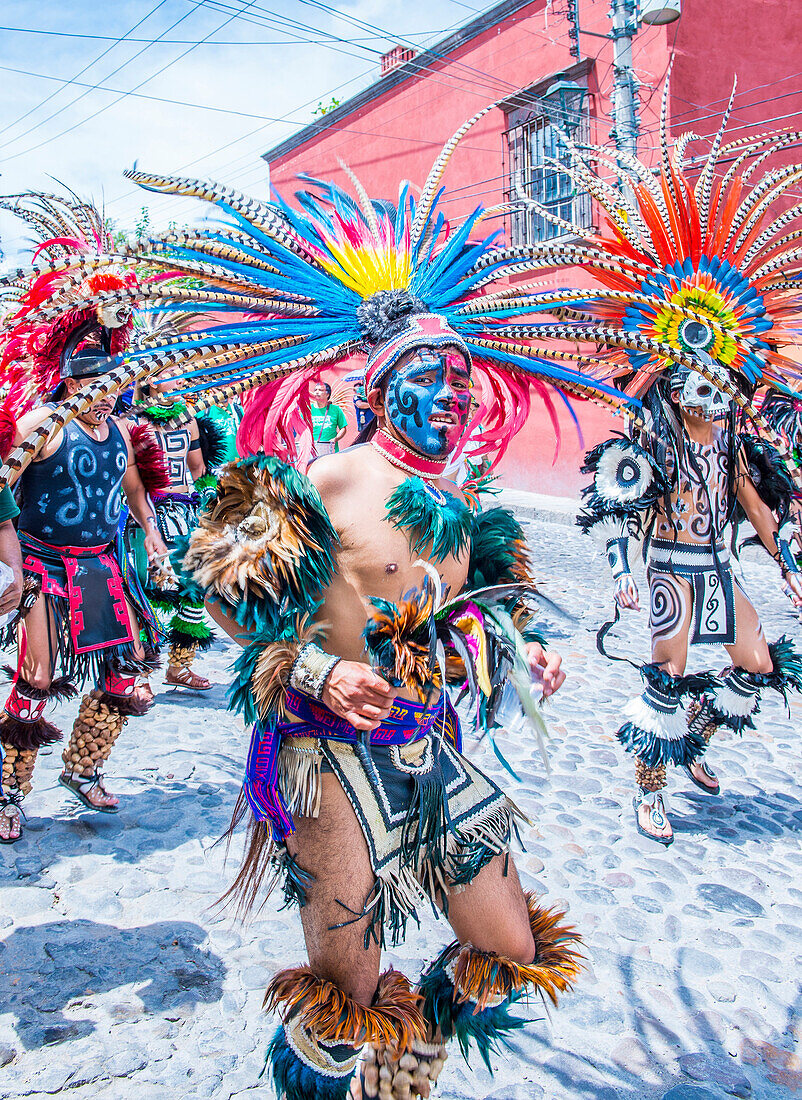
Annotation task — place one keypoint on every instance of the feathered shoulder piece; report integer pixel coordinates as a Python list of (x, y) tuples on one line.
[(769, 475), (783, 412), (212, 442), (499, 554), (150, 459), (264, 545), (626, 481), (438, 523)]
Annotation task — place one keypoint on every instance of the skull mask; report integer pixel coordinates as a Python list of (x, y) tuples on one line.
[(699, 396)]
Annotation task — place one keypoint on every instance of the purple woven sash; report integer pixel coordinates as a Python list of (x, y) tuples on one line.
[(406, 722)]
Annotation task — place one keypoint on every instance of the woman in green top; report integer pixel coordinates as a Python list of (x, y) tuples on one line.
[(328, 420)]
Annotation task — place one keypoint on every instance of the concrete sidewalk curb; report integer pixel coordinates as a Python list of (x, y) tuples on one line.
[(540, 506)]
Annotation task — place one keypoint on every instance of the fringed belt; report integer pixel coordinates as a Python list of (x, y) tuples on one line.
[(406, 722)]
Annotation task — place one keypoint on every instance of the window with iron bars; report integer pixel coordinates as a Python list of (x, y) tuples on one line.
[(534, 152)]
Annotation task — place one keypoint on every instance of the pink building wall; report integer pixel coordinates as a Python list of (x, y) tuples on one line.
[(398, 131)]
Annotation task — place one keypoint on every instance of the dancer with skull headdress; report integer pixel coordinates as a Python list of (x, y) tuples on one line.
[(699, 294), (681, 485), (85, 616), (359, 593)]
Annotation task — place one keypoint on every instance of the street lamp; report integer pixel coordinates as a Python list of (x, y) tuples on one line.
[(659, 12), (563, 103)]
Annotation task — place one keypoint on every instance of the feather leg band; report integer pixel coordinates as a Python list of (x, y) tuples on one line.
[(467, 993), (334, 1017)]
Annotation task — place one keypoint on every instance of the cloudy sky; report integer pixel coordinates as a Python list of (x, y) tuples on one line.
[(200, 87)]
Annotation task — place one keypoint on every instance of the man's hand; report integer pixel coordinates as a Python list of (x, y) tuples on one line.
[(545, 668), (358, 694), (10, 599), (154, 546), (794, 586), (626, 592)]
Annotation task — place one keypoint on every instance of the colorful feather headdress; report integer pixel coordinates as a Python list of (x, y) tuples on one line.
[(680, 271), (300, 288), (685, 269), (64, 303)]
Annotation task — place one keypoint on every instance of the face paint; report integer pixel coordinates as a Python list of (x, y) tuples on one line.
[(699, 397), (98, 412), (428, 399)]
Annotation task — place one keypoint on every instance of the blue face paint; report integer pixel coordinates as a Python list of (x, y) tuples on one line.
[(427, 400)]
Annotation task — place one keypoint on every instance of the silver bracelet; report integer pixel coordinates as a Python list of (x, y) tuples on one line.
[(311, 669)]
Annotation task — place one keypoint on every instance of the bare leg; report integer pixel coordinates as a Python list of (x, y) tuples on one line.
[(331, 847), (750, 650), (40, 645), (491, 913), (26, 703), (670, 631)]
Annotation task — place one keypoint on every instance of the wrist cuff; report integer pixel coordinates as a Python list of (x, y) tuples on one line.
[(618, 557), (311, 669)]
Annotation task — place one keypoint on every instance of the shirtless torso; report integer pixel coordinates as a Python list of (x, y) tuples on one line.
[(374, 558)]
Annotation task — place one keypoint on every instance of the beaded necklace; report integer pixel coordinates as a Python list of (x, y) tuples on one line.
[(401, 456)]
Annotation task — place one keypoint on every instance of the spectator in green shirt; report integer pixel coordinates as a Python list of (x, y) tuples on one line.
[(328, 420)]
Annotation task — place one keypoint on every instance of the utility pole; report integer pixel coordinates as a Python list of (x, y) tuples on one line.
[(625, 102)]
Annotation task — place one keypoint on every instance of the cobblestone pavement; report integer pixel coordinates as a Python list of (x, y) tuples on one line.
[(119, 979)]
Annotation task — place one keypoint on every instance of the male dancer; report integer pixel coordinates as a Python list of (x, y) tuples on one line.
[(182, 442), (88, 610), (362, 802), (373, 807), (692, 481)]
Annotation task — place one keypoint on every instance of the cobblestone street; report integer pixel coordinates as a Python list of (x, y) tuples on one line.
[(119, 979)]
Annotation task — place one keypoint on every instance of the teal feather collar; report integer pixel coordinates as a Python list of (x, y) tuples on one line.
[(431, 517), (160, 414)]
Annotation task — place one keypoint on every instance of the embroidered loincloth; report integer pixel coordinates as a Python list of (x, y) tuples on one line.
[(86, 590), (431, 819)]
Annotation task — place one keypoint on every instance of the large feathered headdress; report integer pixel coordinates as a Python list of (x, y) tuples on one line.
[(303, 287), (685, 269), (64, 304)]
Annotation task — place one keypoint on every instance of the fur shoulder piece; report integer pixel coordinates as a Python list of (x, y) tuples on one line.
[(499, 553), (626, 480), (265, 544), (769, 474)]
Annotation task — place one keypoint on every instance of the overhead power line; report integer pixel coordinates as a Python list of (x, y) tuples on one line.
[(288, 119), (125, 94), (90, 87), (184, 41), (66, 83)]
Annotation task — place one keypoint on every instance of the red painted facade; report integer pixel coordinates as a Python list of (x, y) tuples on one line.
[(394, 129)]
